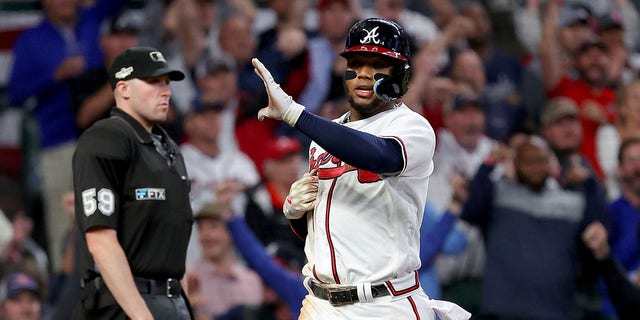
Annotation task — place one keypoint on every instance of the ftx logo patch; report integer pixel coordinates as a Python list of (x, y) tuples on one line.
[(150, 194)]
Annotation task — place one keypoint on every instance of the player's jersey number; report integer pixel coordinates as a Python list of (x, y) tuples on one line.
[(103, 201)]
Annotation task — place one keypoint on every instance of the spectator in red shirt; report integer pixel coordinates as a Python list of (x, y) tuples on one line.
[(588, 84), (591, 92)]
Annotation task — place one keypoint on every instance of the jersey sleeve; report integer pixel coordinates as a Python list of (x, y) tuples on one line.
[(417, 141), (348, 144), (99, 166)]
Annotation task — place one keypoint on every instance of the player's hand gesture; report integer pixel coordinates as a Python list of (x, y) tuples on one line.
[(302, 196), (281, 105)]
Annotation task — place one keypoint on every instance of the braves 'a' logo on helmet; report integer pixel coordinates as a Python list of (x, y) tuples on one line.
[(371, 37)]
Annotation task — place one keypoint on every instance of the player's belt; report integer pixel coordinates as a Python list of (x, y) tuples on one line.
[(169, 287), (344, 295)]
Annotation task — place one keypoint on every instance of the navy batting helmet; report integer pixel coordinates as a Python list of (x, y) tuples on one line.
[(387, 38)]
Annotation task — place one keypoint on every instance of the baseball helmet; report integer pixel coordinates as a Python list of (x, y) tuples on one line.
[(387, 38)]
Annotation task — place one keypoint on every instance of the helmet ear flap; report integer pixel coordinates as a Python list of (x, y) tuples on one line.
[(390, 88)]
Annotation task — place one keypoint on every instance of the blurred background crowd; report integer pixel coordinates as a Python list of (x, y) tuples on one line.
[(536, 106)]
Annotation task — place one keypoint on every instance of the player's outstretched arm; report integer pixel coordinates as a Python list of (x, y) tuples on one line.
[(302, 196), (384, 155)]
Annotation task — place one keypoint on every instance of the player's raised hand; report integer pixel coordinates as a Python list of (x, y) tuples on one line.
[(302, 196), (281, 105)]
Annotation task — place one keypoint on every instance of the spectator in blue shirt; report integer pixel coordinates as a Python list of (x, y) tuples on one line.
[(46, 58), (625, 214)]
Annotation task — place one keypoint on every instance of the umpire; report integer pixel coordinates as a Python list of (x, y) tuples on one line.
[(132, 199)]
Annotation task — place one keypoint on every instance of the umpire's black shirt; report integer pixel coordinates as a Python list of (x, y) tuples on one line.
[(136, 183)]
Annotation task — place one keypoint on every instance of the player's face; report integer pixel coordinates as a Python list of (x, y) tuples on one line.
[(149, 99), (360, 89), (24, 306)]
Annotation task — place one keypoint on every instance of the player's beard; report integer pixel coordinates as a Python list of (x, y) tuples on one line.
[(368, 109)]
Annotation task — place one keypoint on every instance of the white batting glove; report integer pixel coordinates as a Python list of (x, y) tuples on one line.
[(302, 196), (281, 105)]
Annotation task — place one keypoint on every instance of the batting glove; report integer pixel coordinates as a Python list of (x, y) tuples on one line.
[(281, 105), (302, 196)]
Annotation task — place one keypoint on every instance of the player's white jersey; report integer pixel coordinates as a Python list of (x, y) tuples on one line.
[(365, 227)]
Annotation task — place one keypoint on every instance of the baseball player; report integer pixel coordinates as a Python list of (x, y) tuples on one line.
[(361, 203), (132, 199)]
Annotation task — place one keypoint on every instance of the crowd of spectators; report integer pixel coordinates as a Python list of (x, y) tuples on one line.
[(534, 205)]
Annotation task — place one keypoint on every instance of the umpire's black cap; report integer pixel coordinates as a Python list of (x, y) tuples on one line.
[(141, 62)]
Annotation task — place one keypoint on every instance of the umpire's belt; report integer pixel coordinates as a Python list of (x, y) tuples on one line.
[(339, 296), (169, 287)]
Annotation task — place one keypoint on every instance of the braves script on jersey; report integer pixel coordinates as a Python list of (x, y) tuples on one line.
[(365, 227)]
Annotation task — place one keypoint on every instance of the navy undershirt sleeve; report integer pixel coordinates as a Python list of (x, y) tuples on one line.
[(359, 149)]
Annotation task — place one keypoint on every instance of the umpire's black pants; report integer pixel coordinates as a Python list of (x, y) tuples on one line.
[(98, 303)]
